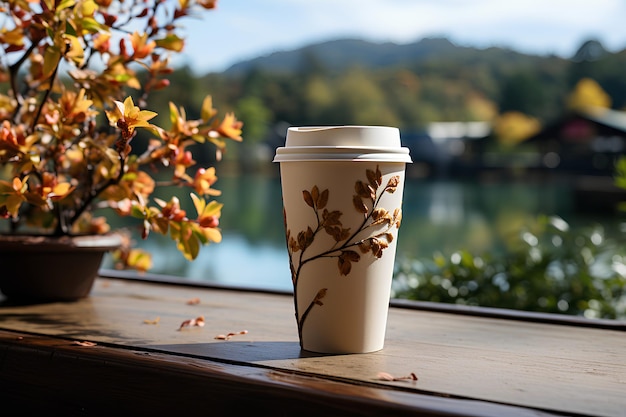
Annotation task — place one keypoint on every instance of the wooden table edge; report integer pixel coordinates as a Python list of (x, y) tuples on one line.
[(43, 373)]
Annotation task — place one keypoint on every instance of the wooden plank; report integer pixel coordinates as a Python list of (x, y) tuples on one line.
[(548, 367), (44, 375), (465, 310)]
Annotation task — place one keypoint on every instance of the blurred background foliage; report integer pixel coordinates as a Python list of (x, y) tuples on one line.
[(544, 268)]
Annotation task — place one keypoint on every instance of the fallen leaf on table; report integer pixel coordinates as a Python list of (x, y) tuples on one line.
[(384, 376), (197, 322), (155, 321), (84, 343), (229, 335)]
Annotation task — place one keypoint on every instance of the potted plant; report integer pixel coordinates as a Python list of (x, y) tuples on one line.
[(76, 75)]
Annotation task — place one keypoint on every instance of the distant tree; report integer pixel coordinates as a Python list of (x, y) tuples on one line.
[(402, 90), (450, 98), (320, 96), (522, 91), (257, 118), (480, 107), (513, 127), (284, 95), (256, 81), (361, 101), (311, 65), (255, 114), (588, 93)]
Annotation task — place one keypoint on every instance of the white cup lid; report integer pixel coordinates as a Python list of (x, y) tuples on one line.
[(343, 143)]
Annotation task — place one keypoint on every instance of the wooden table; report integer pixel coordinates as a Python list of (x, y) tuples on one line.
[(139, 362)]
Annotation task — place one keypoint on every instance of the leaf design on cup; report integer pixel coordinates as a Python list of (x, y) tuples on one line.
[(359, 205), (345, 261), (376, 227), (314, 199)]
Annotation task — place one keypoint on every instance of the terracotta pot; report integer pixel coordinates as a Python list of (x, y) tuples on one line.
[(42, 268)]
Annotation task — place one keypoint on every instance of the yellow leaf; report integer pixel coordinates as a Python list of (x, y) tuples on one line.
[(207, 235), (82, 104), (212, 234), (12, 203), (198, 203), (139, 260), (61, 190), (88, 7), (189, 246), (212, 209), (230, 127), (132, 116), (198, 138), (174, 115), (91, 25), (208, 112), (75, 52), (65, 4), (13, 37), (52, 57), (133, 82), (49, 4), (172, 43)]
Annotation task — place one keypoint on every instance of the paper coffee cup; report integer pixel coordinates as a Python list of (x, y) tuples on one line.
[(342, 196)]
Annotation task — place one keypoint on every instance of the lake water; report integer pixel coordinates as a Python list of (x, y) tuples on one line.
[(437, 216)]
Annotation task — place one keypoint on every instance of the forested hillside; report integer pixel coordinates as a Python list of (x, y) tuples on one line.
[(358, 82)]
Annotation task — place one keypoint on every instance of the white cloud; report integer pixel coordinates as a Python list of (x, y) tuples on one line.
[(241, 29)]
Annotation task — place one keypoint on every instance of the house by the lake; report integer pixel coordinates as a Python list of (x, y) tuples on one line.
[(579, 149)]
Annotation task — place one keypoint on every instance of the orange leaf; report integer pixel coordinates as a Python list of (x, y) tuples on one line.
[(197, 322), (229, 335)]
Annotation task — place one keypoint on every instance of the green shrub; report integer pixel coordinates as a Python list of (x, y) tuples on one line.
[(547, 268)]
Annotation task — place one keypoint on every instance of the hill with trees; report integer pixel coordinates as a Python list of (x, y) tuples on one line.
[(342, 54), (353, 81)]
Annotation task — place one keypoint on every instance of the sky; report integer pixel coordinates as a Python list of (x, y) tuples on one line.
[(243, 29)]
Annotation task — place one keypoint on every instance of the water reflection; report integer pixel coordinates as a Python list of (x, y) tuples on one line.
[(235, 261), (437, 216)]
